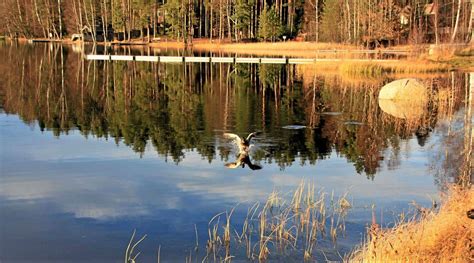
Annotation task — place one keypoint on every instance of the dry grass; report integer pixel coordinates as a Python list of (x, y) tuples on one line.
[(289, 48), (445, 235), (368, 73), (357, 71), (391, 67), (346, 55), (279, 226), (378, 68), (167, 44), (130, 257), (330, 72)]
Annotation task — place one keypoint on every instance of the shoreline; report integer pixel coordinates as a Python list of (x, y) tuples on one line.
[(288, 47), (445, 55)]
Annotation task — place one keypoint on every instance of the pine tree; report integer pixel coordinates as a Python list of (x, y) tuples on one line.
[(269, 26), (241, 17), (143, 11), (331, 21), (118, 19), (175, 18)]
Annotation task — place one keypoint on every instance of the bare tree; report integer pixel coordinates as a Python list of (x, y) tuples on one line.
[(39, 18), (60, 18), (456, 24)]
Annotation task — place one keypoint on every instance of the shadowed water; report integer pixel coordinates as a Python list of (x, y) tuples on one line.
[(91, 150)]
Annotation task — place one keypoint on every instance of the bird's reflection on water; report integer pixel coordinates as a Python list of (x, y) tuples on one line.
[(242, 160)]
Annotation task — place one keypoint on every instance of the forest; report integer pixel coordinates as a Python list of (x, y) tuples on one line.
[(359, 22)]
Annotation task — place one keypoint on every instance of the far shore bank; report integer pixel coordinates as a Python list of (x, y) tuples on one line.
[(451, 56), (302, 48)]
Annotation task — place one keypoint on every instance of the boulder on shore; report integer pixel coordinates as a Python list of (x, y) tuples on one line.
[(404, 89), (403, 98)]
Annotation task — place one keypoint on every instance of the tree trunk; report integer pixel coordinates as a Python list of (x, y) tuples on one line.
[(76, 15), (290, 16), (91, 29), (348, 21), (51, 20), (94, 31), (80, 18), (184, 29), (229, 31), (148, 32), (221, 18), (354, 23), (104, 20), (39, 18), (200, 18), (469, 134), (190, 21), (469, 28), (206, 21), (60, 18), (20, 16), (436, 23), (154, 20), (129, 19), (453, 37), (211, 21), (316, 11)]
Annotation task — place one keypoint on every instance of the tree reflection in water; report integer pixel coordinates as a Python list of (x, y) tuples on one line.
[(178, 108)]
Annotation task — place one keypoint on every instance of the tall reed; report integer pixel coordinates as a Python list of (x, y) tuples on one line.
[(130, 257), (281, 226)]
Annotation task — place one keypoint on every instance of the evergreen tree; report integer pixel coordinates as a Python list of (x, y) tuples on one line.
[(118, 19), (269, 25), (331, 21), (174, 18), (241, 17), (143, 11)]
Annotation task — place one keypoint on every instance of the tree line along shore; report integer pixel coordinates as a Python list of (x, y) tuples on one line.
[(371, 24)]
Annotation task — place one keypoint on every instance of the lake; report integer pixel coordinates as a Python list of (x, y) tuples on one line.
[(91, 150)]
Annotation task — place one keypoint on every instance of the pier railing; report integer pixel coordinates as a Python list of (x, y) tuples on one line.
[(180, 59)]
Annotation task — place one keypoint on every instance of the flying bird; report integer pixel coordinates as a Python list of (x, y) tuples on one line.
[(242, 143), (244, 148)]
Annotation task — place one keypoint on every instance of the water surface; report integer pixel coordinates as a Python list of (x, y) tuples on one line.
[(92, 150)]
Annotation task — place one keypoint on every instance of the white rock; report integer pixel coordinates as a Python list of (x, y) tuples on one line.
[(404, 89)]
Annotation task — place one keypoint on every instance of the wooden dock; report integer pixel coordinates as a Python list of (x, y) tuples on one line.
[(44, 40), (233, 60)]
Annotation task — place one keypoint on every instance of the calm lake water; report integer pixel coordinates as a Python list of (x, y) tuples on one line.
[(92, 150)]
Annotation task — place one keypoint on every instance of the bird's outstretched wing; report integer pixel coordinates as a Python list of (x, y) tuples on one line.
[(253, 134), (234, 137)]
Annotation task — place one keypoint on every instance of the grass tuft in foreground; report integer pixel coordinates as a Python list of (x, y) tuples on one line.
[(279, 226), (445, 235)]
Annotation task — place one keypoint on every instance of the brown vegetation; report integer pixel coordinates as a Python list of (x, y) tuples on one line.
[(277, 226), (370, 69), (289, 48), (445, 235)]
